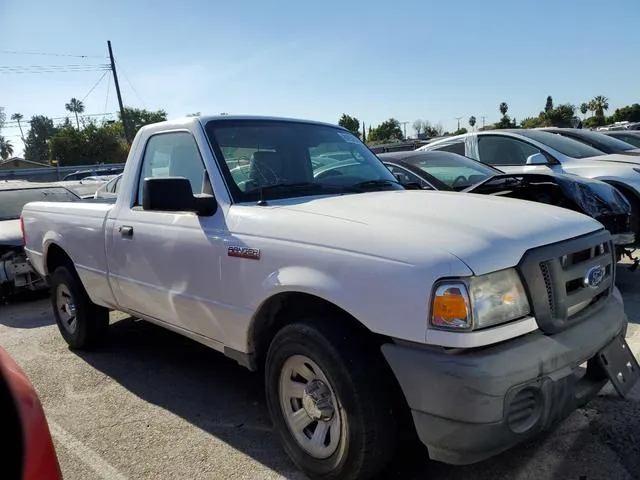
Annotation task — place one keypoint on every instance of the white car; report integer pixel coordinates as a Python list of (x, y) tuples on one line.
[(532, 150), (110, 189), (372, 312)]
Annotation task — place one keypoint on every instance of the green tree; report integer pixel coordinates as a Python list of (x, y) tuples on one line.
[(6, 149), (139, 117), (549, 104), (561, 116), (532, 122), (599, 105), (36, 144), (505, 121), (75, 106), (630, 113), (17, 117), (93, 144), (472, 122), (460, 131), (584, 108), (386, 131), (350, 123)]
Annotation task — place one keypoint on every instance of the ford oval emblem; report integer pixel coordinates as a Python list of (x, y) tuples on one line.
[(594, 276)]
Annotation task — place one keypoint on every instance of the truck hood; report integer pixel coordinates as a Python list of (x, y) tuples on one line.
[(10, 233), (487, 233)]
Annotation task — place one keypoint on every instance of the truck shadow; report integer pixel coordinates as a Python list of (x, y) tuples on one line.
[(218, 396), (28, 310)]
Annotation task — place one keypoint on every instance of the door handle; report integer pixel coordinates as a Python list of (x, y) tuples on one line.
[(126, 231)]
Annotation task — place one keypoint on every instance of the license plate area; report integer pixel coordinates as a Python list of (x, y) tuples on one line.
[(618, 362)]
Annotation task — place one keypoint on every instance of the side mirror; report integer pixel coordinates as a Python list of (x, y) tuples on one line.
[(537, 159), (174, 194)]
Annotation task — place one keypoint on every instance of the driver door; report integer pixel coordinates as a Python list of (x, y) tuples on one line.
[(508, 154)]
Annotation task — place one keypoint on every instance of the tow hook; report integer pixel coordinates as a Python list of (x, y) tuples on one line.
[(636, 261)]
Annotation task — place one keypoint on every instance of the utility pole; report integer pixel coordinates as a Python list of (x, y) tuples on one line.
[(115, 81), (483, 118), (404, 126), (458, 119)]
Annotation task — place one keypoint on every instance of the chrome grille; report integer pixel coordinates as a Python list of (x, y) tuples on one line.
[(555, 277)]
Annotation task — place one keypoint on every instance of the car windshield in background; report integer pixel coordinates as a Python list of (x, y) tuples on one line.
[(566, 146), (280, 159), (596, 139), (12, 201), (454, 170)]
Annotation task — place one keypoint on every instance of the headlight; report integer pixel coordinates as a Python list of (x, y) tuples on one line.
[(479, 302)]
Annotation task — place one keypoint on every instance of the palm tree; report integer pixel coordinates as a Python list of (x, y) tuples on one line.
[(584, 108), (17, 117), (75, 106), (6, 148), (503, 108), (472, 121), (599, 104)]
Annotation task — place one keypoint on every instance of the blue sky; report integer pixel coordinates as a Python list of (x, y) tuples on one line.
[(406, 59)]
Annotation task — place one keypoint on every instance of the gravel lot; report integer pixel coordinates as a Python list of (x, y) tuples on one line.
[(152, 404)]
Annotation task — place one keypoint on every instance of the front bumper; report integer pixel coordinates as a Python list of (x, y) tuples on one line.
[(468, 406)]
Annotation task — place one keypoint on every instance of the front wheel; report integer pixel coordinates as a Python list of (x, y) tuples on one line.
[(328, 400), (81, 322)]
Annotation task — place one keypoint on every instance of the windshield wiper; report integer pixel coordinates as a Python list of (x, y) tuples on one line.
[(296, 187), (375, 183)]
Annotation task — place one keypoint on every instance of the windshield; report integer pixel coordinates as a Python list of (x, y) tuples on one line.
[(566, 146), (597, 140), (267, 159), (12, 201), (453, 170)]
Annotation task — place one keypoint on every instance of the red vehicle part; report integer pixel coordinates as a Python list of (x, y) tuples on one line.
[(30, 454)]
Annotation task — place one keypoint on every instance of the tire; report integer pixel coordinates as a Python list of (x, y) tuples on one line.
[(82, 323), (362, 431)]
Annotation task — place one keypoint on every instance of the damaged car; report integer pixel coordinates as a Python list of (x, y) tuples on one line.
[(441, 170), (16, 274)]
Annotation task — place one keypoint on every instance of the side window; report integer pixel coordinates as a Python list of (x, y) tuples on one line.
[(457, 147), (405, 176), (173, 154), (116, 188), (497, 150)]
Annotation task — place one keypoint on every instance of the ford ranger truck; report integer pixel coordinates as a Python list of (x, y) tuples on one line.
[(375, 313)]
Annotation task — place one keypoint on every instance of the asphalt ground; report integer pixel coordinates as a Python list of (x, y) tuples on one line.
[(154, 405)]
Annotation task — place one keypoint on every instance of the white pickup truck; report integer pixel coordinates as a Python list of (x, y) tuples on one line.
[(374, 311)]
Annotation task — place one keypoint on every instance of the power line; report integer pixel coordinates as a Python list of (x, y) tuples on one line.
[(22, 69), (15, 124), (49, 54), (131, 85), (94, 86), (106, 102)]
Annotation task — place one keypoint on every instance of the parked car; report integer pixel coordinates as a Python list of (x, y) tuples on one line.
[(629, 136), (109, 189), (446, 171), (374, 311), (28, 452), (15, 272), (598, 140), (537, 151), (80, 174)]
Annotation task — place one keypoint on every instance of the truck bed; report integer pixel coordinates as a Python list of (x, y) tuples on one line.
[(78, 228)]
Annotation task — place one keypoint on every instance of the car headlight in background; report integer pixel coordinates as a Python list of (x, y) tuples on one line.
[(479, 302)]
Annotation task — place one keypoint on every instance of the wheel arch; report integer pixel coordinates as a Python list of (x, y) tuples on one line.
[(282, 308)]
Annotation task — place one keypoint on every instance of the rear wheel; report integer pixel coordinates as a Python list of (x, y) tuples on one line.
[(81, 322), (329, 401)]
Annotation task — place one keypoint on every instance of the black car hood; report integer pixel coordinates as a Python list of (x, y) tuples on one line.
[(10, 233), (593, 197)]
